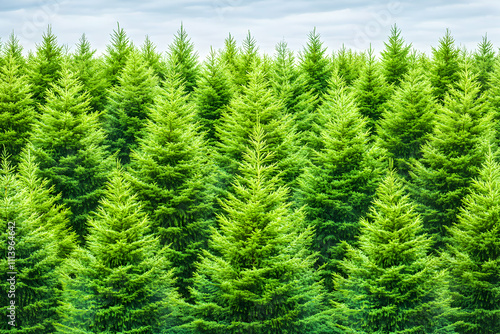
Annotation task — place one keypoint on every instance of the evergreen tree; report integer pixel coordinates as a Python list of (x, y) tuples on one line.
[(44, 68), (258, 276), (371, 91), (393, 285), (338, 187), (408, 119), (315, 65), (16, 109), (493, 97), (123, 282), (475, 250), (445, 66), (229, 56), (484, 60), (12, 48), (453, 155), (213, 93), (246, 61), (128, 105), (116, 55), (68, 146), (348, 64), (172, 174), (395, 60), (183, 59), (153, 58)]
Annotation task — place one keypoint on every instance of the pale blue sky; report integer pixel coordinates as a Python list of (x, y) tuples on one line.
[(355, 23)]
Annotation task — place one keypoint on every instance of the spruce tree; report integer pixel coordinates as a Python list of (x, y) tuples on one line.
[(338, 187), (407, 120), (493, 97), (453, 155), (116, 55), (475, 254), (12, 48), (445, 66), (183, 59), (122, 282), (246, 61), (128, 104), (16, 109), (348, 64), (68, 146), (484, 60), (393, 285), (258, 276), (213, 93), (395, 57), (172, 173), (153, 58)]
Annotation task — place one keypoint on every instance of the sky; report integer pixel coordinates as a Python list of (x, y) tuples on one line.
[(355, 23)]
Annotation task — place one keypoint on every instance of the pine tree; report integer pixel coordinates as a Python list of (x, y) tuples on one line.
[(371, 91), (44, 68), (338, 187), (475, 254), (407, 120), (122, 282), (493, 97), (315, 65), (258, 276), (246, 61), (172, 173), (12, 48), (153, 58), (445, 66), (395, 57), (213, 93), (68, 146), (393, 285), (128, 104), (30, 261), (484, 60), (116, 55), (453, 155), (183, 59), (348, 64), (16, 109)]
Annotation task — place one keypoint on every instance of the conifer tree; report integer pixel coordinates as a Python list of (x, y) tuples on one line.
[(371, 91), (395, 57), (338, 187), (127, 108), (153, 58), (12, 48), (183, 59), (116, 55), (229, 55), (213, 93), (122, 282), (172, 173), (445, 66), (475, 254), (68, 146), (315, 65), (30, 261), (44, 68), (493, 97), (453, 155), (348, 64), (258, 276), (484, 60), (407, 120), (246, 61), (16, 109), (393, 285)]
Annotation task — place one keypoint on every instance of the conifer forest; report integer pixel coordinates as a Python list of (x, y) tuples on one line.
[(304, 191)]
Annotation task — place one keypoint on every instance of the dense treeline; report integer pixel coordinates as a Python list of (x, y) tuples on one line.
[(246, 193)]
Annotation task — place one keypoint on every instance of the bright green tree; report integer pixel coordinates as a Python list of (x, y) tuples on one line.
[(153, 58), (122, 282), (393, 285), (408, 119), (128, 104), (116, 55), (246, 61), (12, 48), (348, 64), (16, 109), (395, 57), (445, 66), (338, 187), (68, 146), (475, 254), (493, 96), (484, 60), (172, 174), (453, 155), (258, 276)]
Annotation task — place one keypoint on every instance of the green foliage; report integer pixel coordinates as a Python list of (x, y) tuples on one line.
[(16, 109), (444, 71), (475, 254), (407, 120), (484, 60), (128, 106), (67, 144), (338, 187), (12, 48), (393, 285), (453, 155), (153, 58), (493, 97), (173, 175), (116, 55), (348, 64), (122, 282), (258, 276), (395, 57)]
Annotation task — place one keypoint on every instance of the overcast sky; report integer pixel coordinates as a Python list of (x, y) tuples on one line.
[(355, 23)]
